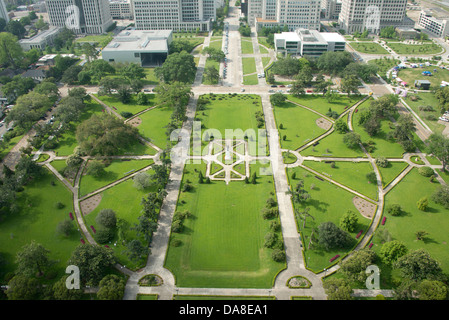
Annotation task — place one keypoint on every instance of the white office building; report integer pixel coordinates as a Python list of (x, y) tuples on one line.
[(82, 16), (304, 42), (330, 9), (373, 15), (3, 11), (40, 40), (121, 9), (293, 13), (435, 25), (147, 48), (175, 14)]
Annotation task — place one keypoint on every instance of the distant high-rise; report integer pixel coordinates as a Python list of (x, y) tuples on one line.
[(82, 16), (294, 14), (175, 14), (373, 15), (3, 11)]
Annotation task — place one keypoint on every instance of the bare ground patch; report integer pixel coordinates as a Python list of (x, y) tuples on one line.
[(135, 121), (323, 123), (366, 208), (89, 205)]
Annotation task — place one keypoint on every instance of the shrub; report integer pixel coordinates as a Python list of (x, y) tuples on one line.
[(96, 169), (426, 171), (177, 226), (270, 240), (275, 226), (187, 187), (423, 203), (270, 213), (106, 218), (104, 235), (382, 162), (59, 205), (394, 210), (126, 114), (278, 255)]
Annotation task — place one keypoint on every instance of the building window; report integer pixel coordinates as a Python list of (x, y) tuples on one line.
[(136, 55)]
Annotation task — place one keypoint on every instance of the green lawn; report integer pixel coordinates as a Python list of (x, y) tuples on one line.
[(368, 47), (418, 49), (327, 203), (250, 80), (384, 64), (435, 220), (217, 44), (235, 113), (356, 180), (9, 145), (114, 102), (265, 61), (102, 40), (263, 41), (150, 77), (153, 123), (117, 169), (391, 171), (36, 219), (409, 75), (322, 105), (298, 125), (125, 200), (247, 46), (249, 65), (222, 244), (262, 49)]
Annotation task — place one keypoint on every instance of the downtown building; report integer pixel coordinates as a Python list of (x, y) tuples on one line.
[(330, 9), (434, 24), (175, 15), (373, 15), (294, 14), (121, 9), (81, 16)]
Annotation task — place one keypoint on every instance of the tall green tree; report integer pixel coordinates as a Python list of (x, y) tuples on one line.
[(439, 146), (179, 66), (32, 259), (11, 52)]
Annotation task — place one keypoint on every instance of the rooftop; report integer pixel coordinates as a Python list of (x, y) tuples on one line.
[(332, 37), (140, 40), (42, 35)]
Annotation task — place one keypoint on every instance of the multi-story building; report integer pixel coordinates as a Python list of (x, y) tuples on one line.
[(121, 9), (40, 40), (438, 26), (82, 16), (373, 15), (330, 9), (292, 13), (308, 42), (3, 11), (175, 14)]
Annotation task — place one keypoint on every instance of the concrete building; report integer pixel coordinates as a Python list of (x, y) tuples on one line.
[(293, 13), (175, 14), (373, 15), (121, 9), (436, 25), (330, 9), (407, 33), (147, 48), (3, 11), (308, 42), (40, 40), (82, 16)]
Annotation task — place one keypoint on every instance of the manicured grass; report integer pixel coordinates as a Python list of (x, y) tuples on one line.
[(150, 77), (350, 174), (298, 125), (217, 44), (409, 75), (262, 49), (233, 112), (36, 219), (418, 49), (433, 160), (327, 203), (391, 171), (444, 175), (430, 118), (141, 296), (333, 146), (265, 61), (153, 123), (250, 80), (289, 157), (222, 244), (322, 105), (368, 47), (263, 41), (114, 102), (102, 40), (435, 220), (9, 145), (125, 200), (384, 64), (247, 46), (117, 169), (249, 65)]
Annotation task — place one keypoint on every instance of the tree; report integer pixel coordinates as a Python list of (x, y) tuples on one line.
[(136, 250), (142, 180), (29, 108), (337, 289), (303, 215), (423, 203), (11, 52), (124, 94), (333, 62), (16, 28), (95, 168), (299, 194), (174, 95), (49, 89), (355, 266), (341, 126), (270, 78), (107, 218), (60, 291), (394, 210), (348, 221), (245, 30), (420, 235), (98, 69), (277, 99), (432, 290), (21, 287), (419, 265), (350, 84), (214, 53), (89, 50), (392, 251), (32, 259), (92, 261), (65, 227), (441, 196), (131, 71), (352, 140), (111, 287), (105, 135), (211, 74), (305, 75), (404, 128), (439, 146), (287, 66), (179, 66), (330, 236)]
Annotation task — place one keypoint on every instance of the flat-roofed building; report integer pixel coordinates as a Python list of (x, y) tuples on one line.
[(436, 25), (147, 48), (40, 40), (121, 9), (330, 9)]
